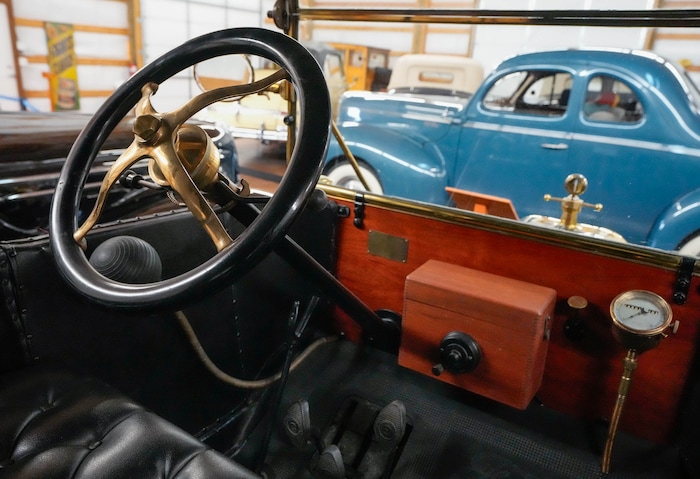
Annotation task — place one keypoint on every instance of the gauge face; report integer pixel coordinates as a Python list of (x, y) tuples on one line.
[(641, 312)]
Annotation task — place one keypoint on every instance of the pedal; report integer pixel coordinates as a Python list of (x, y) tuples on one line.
[(330, 464), (297, 423), (390, 425)]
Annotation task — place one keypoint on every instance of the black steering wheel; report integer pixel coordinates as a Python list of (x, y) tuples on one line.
[(242, 253)]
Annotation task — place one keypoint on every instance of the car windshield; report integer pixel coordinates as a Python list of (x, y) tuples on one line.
[(587, 130), (598, 138)]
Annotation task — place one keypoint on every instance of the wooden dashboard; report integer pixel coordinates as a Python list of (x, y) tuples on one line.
[(583, 364)]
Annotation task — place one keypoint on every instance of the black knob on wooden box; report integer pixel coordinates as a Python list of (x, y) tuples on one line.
[(459, 353)]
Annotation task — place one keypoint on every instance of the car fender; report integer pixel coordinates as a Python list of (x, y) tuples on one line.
[(679, 221), (408, 166)]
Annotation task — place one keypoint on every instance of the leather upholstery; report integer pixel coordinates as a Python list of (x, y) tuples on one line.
[(56, 425)]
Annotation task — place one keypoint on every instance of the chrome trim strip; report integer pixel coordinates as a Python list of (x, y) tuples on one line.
[(520, 130), (262, 135), (602, 139)]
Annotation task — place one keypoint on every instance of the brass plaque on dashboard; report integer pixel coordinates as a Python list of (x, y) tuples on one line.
[(387, 246)]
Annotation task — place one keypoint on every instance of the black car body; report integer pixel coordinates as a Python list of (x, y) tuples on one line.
[(33, 147)]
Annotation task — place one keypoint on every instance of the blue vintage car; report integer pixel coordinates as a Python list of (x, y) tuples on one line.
[(626, 120)]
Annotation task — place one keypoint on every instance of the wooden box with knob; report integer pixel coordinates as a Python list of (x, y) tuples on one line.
[(485, 333)]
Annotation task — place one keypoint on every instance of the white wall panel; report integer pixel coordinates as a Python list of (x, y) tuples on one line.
[(677, 49), (43, 104), (162, 35), (494, 43), (569, 4), (173, 93), (32, 76), (101, 77), (619, 4), (163, 9), (169, 23), (8, 82), (103, 13), (612, 37), (552, 38), (243, 18), (89, 104), (31, 41), (101, 45), (449, 43)]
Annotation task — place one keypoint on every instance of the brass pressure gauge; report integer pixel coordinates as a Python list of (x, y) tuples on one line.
[(639, 319)]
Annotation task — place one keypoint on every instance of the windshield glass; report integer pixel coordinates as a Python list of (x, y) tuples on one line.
[(575, 128)]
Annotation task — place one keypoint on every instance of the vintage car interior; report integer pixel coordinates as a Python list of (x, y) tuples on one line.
[(325, 333)]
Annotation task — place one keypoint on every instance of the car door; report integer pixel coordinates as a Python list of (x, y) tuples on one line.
[(516, 138), (625, 153)]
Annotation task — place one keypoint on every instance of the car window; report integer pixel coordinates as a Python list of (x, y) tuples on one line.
[(539, 92), (333, 66), (612, 100)]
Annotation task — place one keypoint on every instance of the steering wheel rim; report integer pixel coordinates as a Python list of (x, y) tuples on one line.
[(258, 239)]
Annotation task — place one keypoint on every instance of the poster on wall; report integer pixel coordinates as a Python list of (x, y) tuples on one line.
[(63, 66)]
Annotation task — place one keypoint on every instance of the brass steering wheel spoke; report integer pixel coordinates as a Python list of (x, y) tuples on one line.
[(182, 114), (130, 156), (155, 138)]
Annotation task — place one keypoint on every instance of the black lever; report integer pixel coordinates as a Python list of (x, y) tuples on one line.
[(384, 334)]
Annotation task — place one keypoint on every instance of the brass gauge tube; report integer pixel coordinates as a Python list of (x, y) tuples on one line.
[(629, 365)]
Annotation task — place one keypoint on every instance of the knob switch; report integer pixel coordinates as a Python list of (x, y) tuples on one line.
[(459, 353)]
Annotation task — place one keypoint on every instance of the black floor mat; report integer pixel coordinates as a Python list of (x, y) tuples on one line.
[(455, 434)]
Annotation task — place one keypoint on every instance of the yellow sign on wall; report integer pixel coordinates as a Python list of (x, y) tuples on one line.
[(63, 66)]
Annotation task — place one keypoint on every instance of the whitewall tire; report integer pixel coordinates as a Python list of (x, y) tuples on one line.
[(343, 175)]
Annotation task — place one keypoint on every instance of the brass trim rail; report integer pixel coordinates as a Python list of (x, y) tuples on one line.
[(603, 18), (611, 249)]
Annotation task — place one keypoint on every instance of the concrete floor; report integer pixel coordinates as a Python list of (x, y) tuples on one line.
[(261, 165)]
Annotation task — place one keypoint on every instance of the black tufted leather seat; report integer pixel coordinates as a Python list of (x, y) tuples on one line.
[(56, 425)]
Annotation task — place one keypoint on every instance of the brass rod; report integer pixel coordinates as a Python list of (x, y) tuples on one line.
[(604, 18), (293, 31), (629, 365), (348, 154)]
